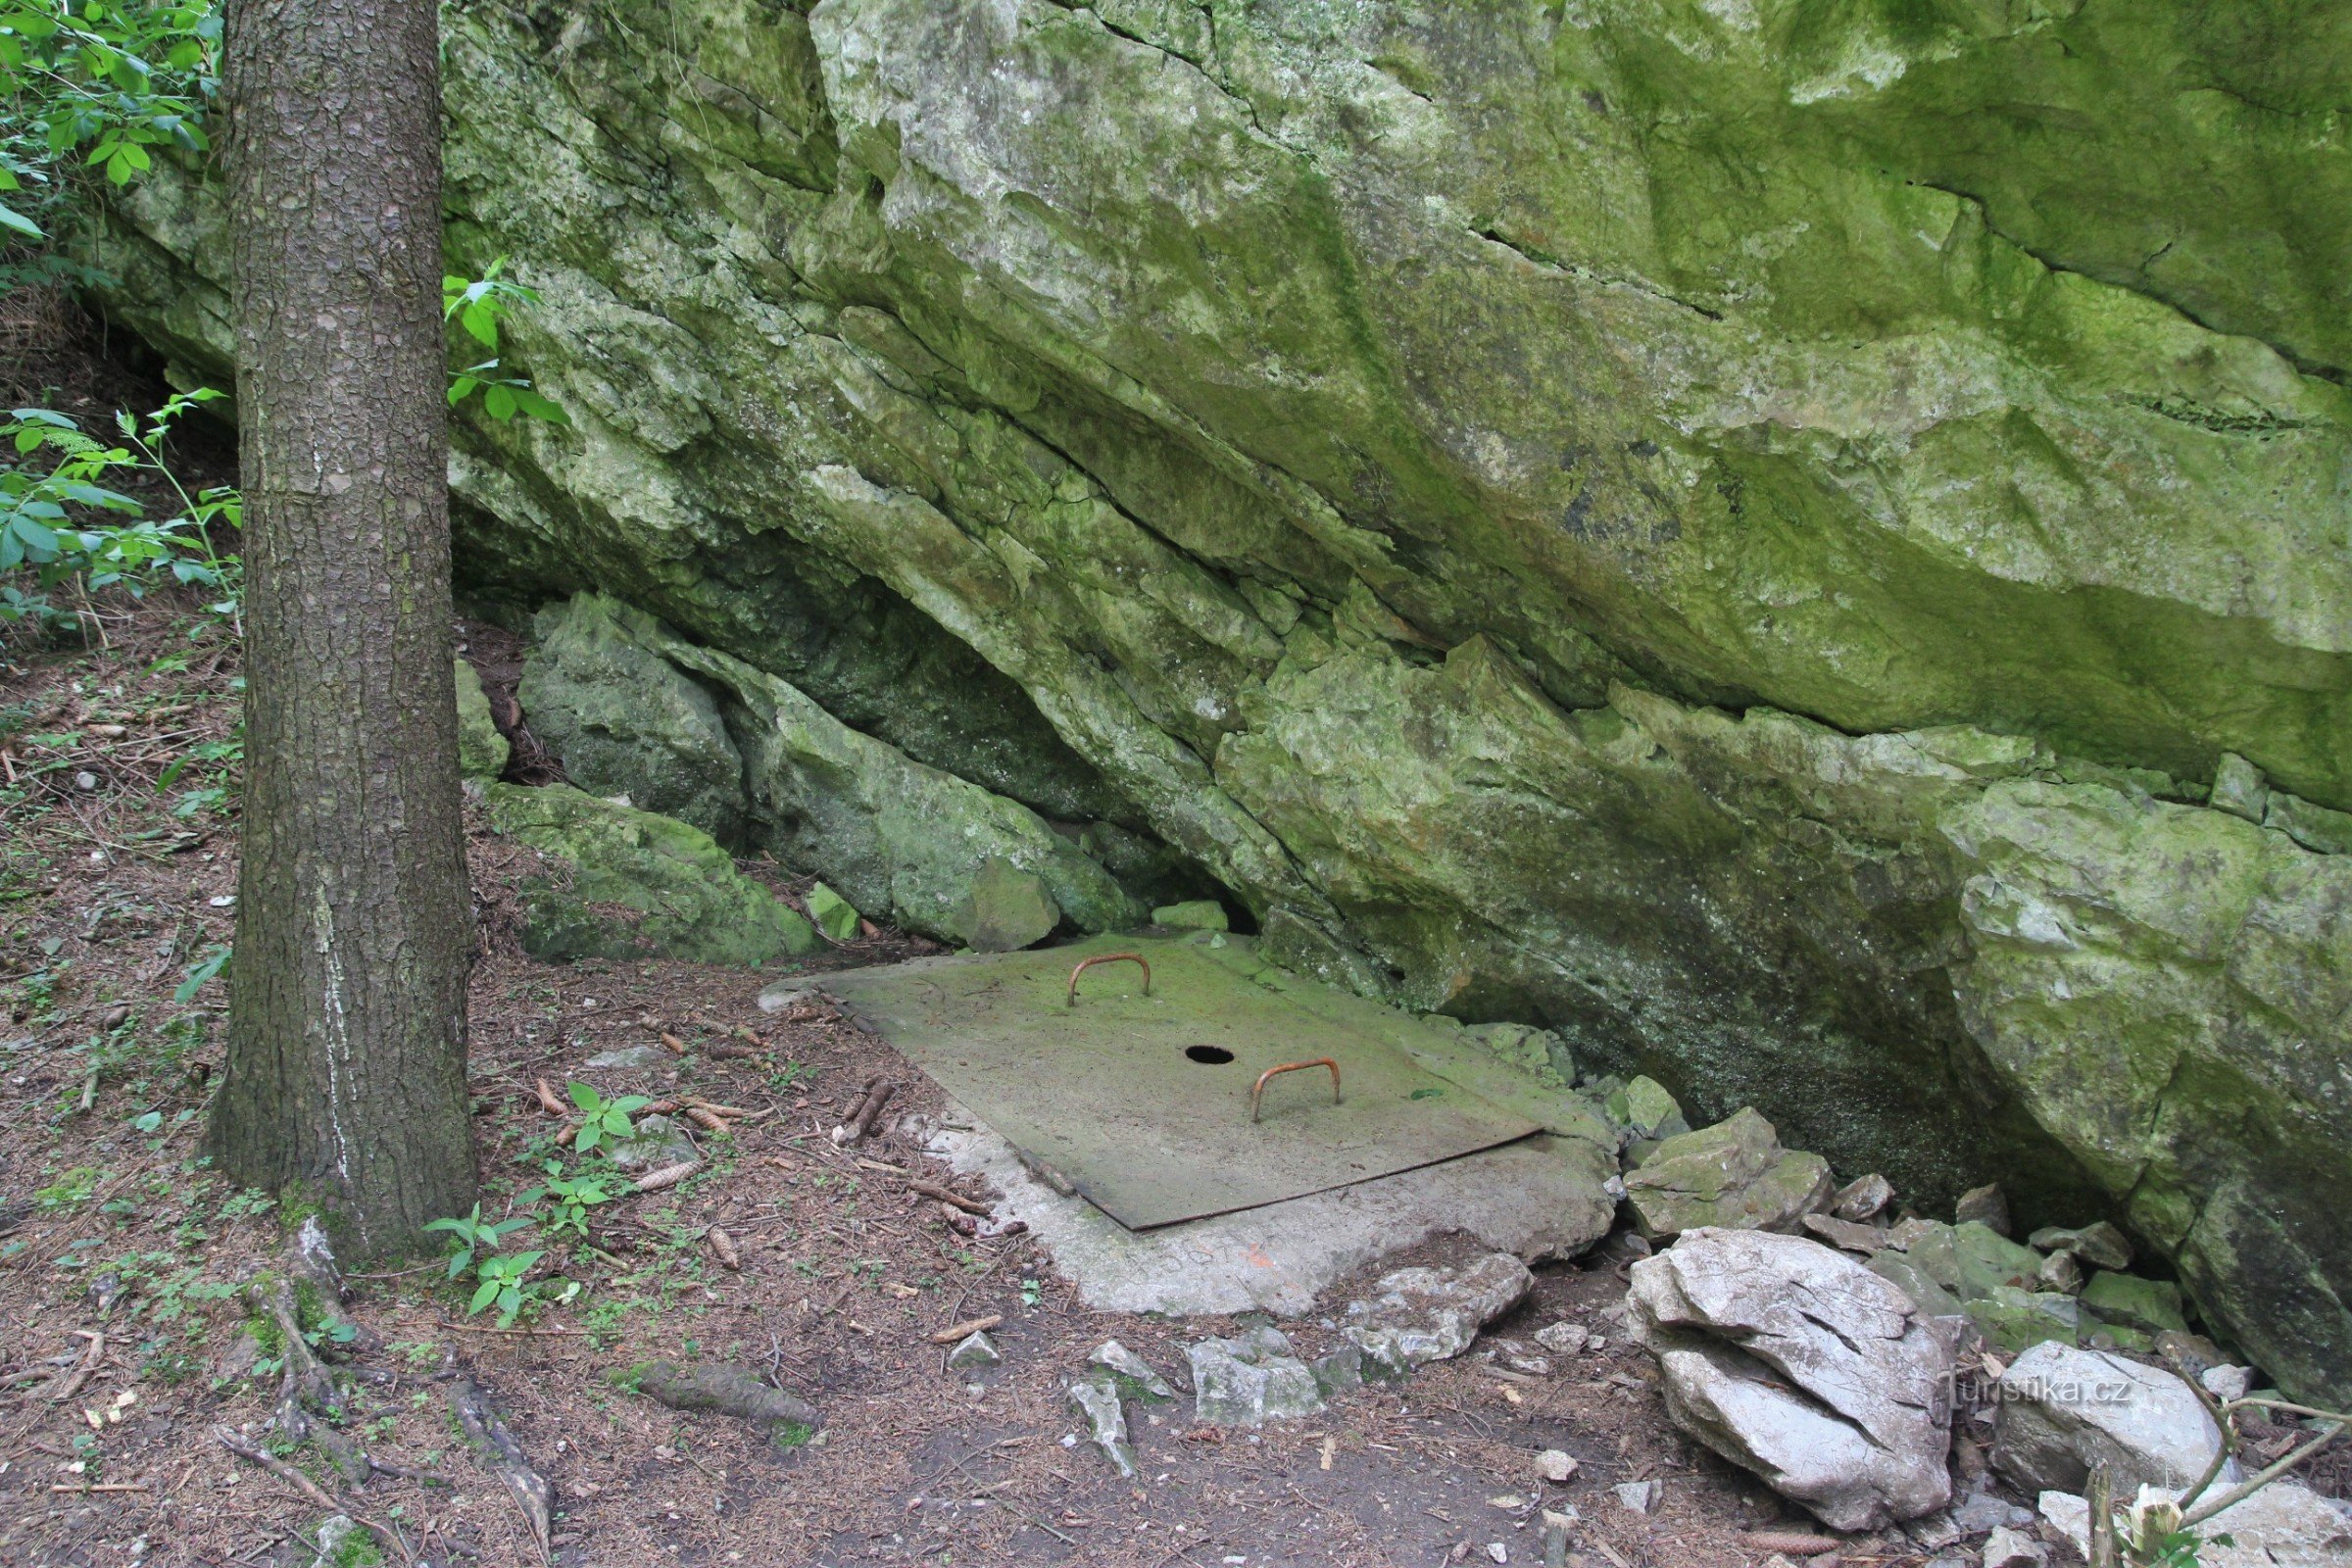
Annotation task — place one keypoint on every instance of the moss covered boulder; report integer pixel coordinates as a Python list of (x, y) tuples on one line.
[(630, 884)]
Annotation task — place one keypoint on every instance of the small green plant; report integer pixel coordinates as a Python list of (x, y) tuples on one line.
[(475, 1237), (568, 1199), (54, 521), (502, 1286), (601, 1120), (478, 306), (1032, 1292)]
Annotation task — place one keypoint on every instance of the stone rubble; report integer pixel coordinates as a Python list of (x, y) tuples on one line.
[(1803, 1366), (1735, 1173), (2064, 1411), (1419, 1315)]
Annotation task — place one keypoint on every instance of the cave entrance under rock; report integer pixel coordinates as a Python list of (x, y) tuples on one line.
[(1152, 1104)]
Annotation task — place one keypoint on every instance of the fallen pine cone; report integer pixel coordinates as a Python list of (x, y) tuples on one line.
[(722, 1248), (654, 1181), (1788, 1542), (706, 1118), (677, 1047), (548, 1101)]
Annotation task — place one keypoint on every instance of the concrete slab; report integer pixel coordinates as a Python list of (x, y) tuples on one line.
[(1541, 1198)]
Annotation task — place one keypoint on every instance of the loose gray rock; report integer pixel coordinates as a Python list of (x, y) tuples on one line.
[(1865, 1197), (975, 1349), (1251, 1380), (1845, 1234), (1420, 1315), (1986, 1206), (2100, 1245), (2284, 1525), (628, 1057), (1735, 1173), (1799, 1364), (1556, 1465), (1637, 1497), (1563, 1338), (2065, 1410), (2228, 1382), (659, 1142), (1134, 1374), (1980, 1511), (1096, 1401), (2008, 1549), (2061, 1272)]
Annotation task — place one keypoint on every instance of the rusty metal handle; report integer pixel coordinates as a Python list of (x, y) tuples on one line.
[(1135, 959), (1295, 1067)]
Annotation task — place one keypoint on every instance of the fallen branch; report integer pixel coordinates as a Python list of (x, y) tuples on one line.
[(497, 1448), (860, 1122), (955, 1198), (967, 1328), (74, 1380)]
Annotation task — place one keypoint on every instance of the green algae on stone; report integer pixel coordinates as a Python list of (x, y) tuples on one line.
[(626, 722), (634, 884), (835, 916), (482, 750), (1733, 1174), (1006, 909)]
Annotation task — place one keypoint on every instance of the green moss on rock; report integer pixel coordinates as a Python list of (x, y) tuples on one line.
[(633, 884)]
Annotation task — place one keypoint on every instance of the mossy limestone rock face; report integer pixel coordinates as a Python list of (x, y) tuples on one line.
[(637, 885), (625, 721), (1428, 526), (836, 917), (898, 840), (482, 750)]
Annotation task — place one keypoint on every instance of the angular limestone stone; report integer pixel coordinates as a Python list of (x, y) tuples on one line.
[(1419, 1315), (2152, 1306), (1845, 1235), (834, 914), (2065, 1410), (1865, 1197), (2099, 1244), (1563, 1338), (1196, 914), (657, 1142), (629, 1058), (482, 750), (1986, 1206), (1248, 1381), (2316, 827), (2239, 788), (1135, 1375), (1799, 1364), (1006, 909), (1735, 1173), (975, 1349), (2284, 1525), (1096, 1401)]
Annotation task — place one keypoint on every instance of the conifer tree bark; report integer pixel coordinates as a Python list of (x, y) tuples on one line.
[(346, 1072)]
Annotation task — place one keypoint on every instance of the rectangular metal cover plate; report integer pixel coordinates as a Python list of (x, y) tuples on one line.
[(1106, 1094)]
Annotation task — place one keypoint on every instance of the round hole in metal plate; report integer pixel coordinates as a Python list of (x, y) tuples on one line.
[(1209, 1056)]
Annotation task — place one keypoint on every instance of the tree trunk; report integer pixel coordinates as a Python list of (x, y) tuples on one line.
[(346, 1073)]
